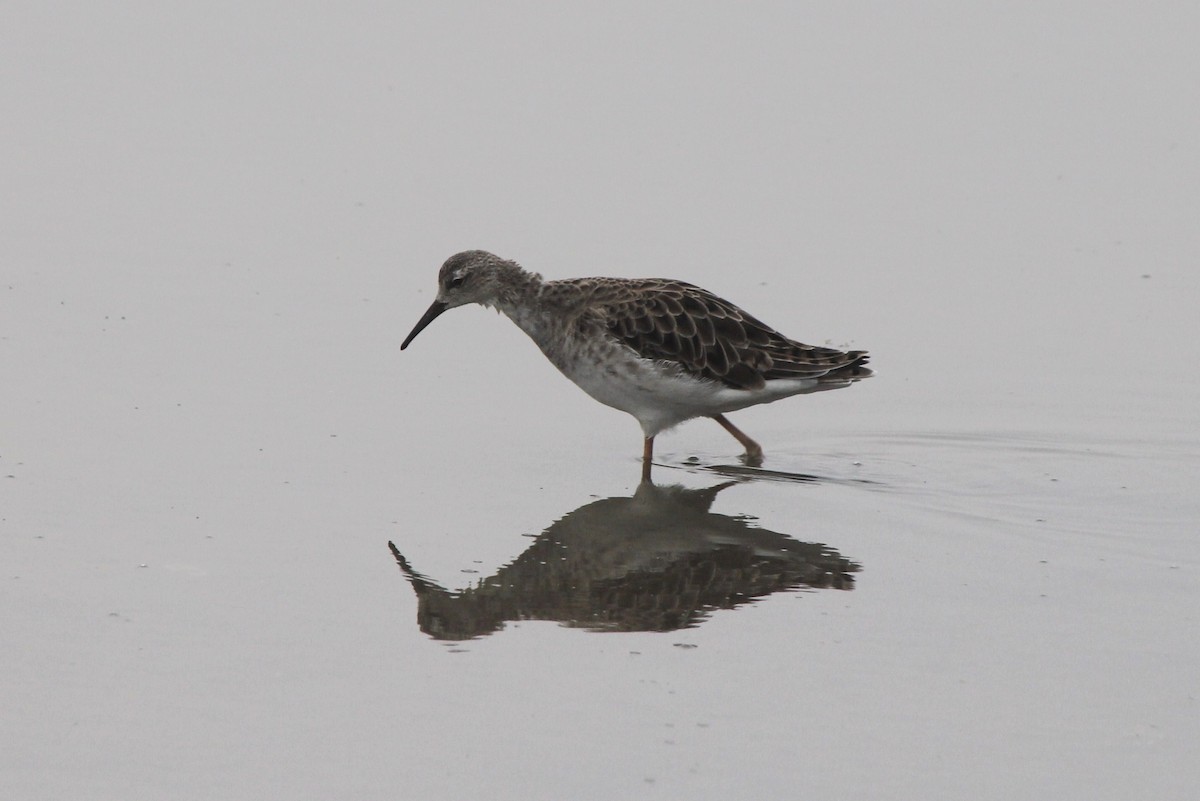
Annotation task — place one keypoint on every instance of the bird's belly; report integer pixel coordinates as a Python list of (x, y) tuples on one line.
[(659, 395), (639, 386)]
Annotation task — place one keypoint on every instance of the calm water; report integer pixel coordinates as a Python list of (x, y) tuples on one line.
[(251, 550)]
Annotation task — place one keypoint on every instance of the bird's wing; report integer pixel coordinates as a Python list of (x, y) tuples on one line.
[(710, 337)]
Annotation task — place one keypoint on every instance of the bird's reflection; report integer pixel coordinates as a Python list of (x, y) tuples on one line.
[(658, 561)]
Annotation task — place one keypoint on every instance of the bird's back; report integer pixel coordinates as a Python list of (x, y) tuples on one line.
[(705, 335)]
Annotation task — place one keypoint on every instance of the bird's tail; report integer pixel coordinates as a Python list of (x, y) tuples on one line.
[(855, 370)]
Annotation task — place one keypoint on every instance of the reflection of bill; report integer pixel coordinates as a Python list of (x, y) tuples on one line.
[(658, 561)]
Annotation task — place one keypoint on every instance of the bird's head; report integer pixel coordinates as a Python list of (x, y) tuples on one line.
[(473, 276)]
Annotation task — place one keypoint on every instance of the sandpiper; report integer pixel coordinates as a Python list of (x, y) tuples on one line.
[(663, 351)]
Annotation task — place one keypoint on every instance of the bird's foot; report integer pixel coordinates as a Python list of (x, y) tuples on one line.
[(753, 457)]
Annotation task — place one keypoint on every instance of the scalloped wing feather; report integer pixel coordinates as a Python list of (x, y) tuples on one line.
[(710, 337)]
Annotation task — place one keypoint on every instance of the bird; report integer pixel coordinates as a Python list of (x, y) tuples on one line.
[(661, 350)]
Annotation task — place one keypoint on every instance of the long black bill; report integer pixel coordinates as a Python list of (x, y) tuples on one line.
[(437, 308)]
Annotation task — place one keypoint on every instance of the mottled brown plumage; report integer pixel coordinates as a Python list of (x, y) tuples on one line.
[(709, 337)]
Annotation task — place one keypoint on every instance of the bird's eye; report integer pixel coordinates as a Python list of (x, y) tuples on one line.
[(456, 282)]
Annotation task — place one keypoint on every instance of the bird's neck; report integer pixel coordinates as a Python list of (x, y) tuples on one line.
[(520, 298)]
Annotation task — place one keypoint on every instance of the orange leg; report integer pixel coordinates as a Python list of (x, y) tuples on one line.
[(647, 458), (754, 451)]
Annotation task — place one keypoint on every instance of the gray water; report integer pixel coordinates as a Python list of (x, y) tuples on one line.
[(251, 550)]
